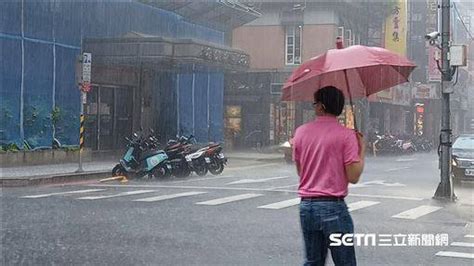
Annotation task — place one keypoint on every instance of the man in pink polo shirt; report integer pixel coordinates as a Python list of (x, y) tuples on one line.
[(328, 157)]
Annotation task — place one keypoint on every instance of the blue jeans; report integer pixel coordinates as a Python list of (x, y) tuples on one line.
[(319, 219)]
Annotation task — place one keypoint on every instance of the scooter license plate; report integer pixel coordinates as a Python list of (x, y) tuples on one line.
[(207, 159), (221, 156), (168, 166), (469, 172)]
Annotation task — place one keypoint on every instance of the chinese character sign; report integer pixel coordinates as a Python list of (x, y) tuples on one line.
[(86, 67), (396, 27), (86, 72)]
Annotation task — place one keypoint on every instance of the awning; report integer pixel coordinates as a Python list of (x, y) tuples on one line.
[(136, 48), (217, 14)]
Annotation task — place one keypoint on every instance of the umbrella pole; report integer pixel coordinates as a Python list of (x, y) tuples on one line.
[(350, 100)]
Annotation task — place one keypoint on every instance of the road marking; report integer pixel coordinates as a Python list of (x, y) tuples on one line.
[(127, 193), (229, 199), (260, 180), (462, 244), (397, 169), (251, 166), (287, 186), (455, 254), (385, 197), (199, 179), (62, 193), (171, 196), (361, 204), (185, 187), (376, 182), (281, 204), (417, 212), (247, 189), (470, 236), (383, 183), (406, 159), (358, 185)]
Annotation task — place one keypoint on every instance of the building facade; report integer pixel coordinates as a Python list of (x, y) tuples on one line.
[(286, 35), (137, 82)]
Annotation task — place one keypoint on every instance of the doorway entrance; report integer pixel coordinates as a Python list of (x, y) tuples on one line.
[(109, 117)]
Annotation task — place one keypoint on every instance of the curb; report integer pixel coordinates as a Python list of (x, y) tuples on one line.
[(54, 179), (277, 159), (73, 177)]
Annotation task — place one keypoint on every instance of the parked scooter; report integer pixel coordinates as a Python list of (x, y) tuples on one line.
[(287, 149), (196, 161), (143, 158), (389, 144), (186, 157), (206, 158), (215, 159), (177, 151)]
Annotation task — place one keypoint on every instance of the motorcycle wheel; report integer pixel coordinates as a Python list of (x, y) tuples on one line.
[(119, 171), (216, 168), (161, 172), (201, 170), (183, 172)]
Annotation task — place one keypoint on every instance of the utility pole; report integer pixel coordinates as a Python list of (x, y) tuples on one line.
[(445, 189)]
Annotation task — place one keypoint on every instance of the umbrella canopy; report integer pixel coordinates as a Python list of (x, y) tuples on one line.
[(358, 71)]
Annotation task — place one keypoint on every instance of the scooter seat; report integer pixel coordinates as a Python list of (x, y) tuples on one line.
[(151, 153), (213, 145)]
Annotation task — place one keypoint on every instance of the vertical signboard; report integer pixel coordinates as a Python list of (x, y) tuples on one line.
[(396, 27), (395, 36), (434, 75), (86, 71)]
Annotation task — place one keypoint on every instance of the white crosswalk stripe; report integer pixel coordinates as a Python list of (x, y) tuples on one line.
[(281, 204), (127, 193), (361, 204), (171, 196), (410, 214), (462, 244), (455, 254), (417, 212), (229, 199), (62, 193)]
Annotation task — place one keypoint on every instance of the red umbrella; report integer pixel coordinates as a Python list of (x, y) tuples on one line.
[(358, 71)]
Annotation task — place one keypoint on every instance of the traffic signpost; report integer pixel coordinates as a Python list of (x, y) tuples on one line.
[(85, 87)]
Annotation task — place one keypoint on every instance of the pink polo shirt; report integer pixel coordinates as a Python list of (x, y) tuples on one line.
[(323, 148)]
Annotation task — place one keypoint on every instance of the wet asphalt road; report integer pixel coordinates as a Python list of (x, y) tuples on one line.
[(247, 216)]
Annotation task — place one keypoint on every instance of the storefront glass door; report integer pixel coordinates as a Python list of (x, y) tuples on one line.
[(108, 117)]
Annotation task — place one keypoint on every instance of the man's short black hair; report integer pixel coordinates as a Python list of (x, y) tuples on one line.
[(332, 98)]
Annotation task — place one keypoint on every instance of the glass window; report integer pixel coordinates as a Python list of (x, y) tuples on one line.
[(464, 143), (293, 45)]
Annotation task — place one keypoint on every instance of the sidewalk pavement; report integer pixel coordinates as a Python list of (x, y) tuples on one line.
[(57, 173)]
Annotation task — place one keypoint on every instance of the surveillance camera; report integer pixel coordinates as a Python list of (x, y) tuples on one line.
[(432, 36)]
